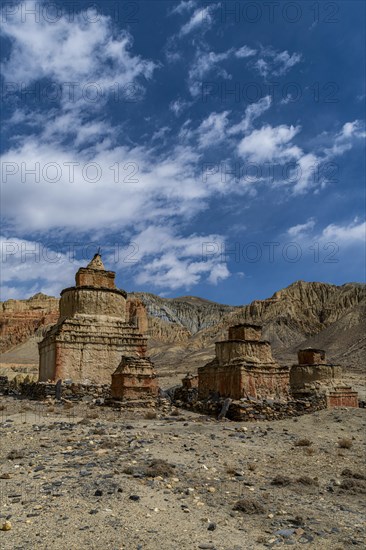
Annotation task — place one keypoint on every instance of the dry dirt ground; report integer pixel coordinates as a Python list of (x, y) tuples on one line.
[(85, 478)]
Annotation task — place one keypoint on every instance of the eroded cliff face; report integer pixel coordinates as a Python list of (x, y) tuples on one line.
[(189, 312), (21, 319)]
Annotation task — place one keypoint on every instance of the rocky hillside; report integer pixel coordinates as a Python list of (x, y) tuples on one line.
[(20, 319), (183, 330), (177, 319)]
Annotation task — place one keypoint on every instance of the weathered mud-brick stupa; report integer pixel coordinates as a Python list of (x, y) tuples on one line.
[(313, 374), (243, 367), (99, 332)]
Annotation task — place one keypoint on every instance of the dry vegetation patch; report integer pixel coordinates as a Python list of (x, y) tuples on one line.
[(249, 506), (304, 442), (345, 443)]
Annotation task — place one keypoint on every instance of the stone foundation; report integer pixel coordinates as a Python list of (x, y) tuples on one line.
[(342, 397)]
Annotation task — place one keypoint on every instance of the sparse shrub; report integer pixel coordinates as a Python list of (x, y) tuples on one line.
[(303, 442), (159, 468), (249, 506), (13, 455), (92, 415), (129, 470), (2, 407), (306, 480), (231, 470), (252, 466), (353, 485), (345, 443), (85, 421), (156, 468), (68, 406), (175, 412), (150, 415), (309, 451), (356, 475), (281, 481)]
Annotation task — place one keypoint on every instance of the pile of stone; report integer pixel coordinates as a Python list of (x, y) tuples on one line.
[(267, 409), (4, 385), (248, 409)]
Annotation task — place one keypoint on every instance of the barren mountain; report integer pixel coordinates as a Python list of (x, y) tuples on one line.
[(183, 330)]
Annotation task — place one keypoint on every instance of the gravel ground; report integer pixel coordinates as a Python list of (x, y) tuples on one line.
[(84, 478)]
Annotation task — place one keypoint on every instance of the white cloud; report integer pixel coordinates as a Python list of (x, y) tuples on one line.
[(355, 232), (212, 130), (268, 62), (298, 230), (160, 258), (245, 51), (253, 111), (203, 64), (218, 273), (201, 17), (275, 63), (168, 260), (216, 127), (28, 267), (178, 106), (183, 6), (270, 144), (91, 55), (305, 173), (343, 141)]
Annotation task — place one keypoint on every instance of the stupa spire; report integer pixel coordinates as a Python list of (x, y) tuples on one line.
[(96, 262)]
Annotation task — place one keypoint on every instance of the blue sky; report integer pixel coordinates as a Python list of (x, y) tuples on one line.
[(208, 148)]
